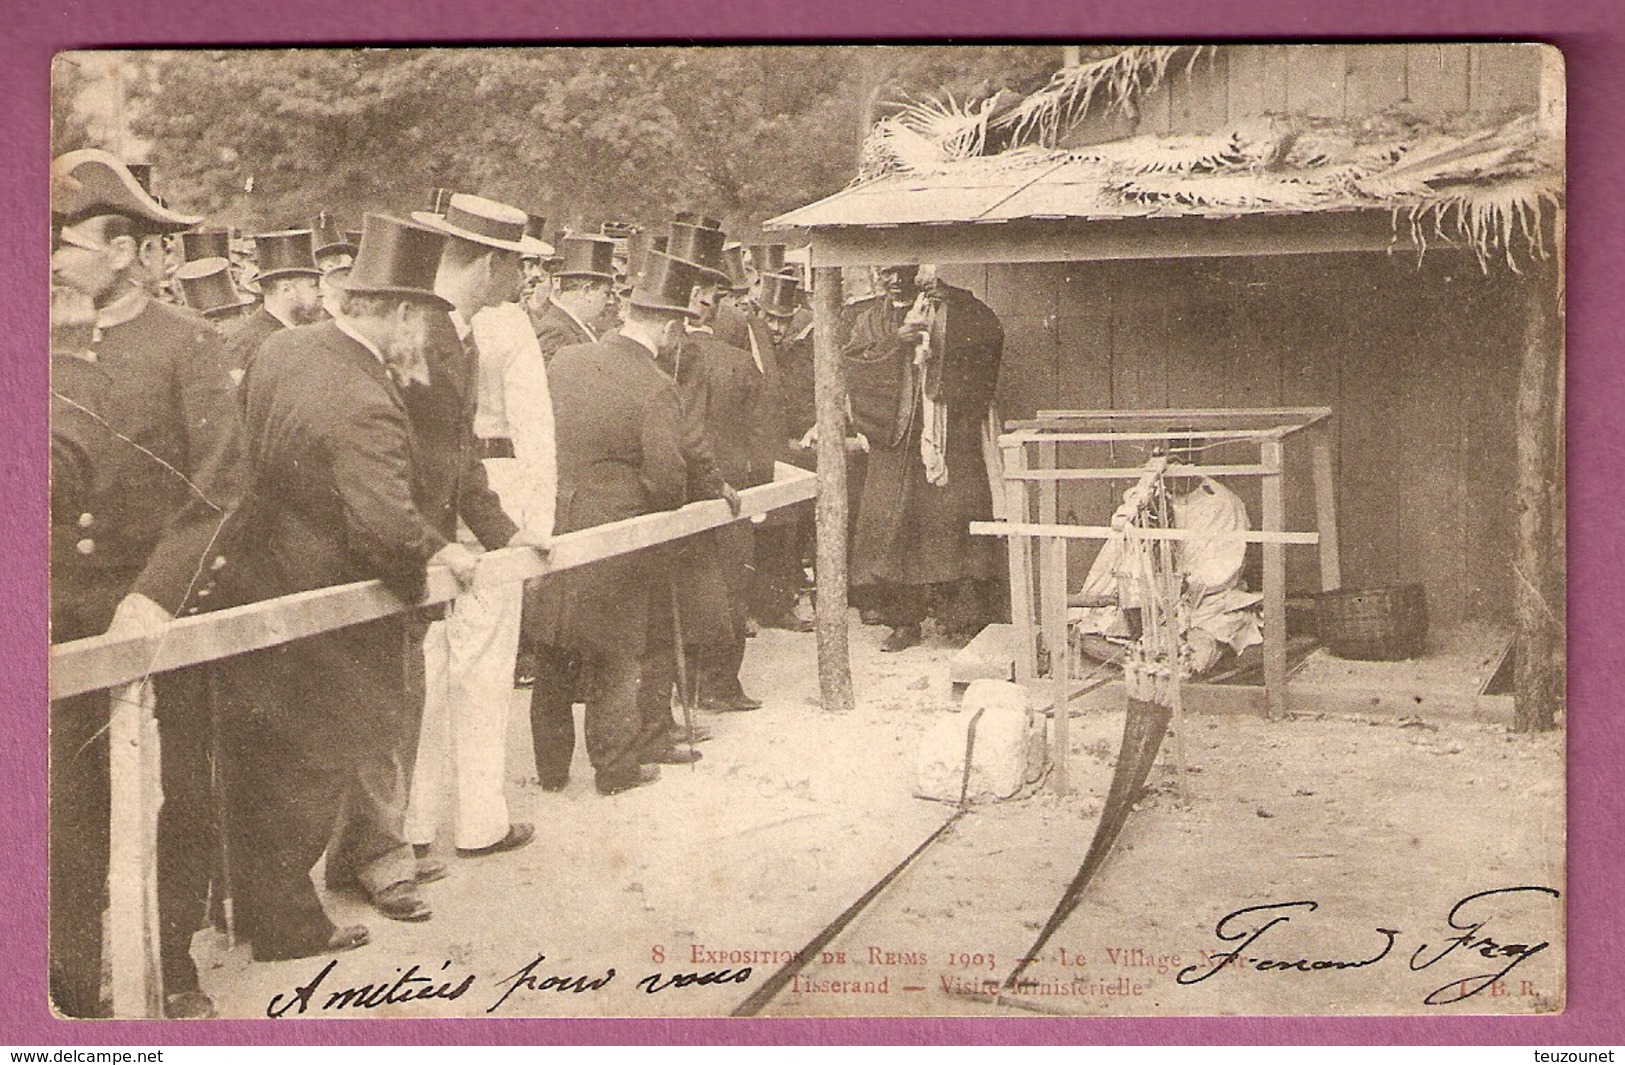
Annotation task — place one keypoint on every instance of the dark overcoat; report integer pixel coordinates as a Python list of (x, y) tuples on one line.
[(909, 531), (245, 339), (449, 462), (555, 329), (617, 420), (336, 499)]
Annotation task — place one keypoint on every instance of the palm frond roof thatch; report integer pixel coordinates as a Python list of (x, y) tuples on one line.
[(1488, 183)]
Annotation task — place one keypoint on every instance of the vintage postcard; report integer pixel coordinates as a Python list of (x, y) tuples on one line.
[(808, 531)]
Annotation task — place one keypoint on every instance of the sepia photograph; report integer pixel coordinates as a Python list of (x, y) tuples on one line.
[(794, 531)]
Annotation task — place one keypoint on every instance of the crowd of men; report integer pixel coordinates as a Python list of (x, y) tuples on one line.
[(413, 394)]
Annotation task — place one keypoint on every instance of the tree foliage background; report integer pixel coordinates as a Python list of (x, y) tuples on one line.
[(264, 139)]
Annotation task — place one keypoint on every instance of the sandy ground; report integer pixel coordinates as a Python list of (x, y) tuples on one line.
[(794, 813)]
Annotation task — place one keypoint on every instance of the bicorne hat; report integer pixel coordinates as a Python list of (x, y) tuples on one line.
[(290, 253), (91, 182), (481, 221), (781, 294), (665, 284), (206, 244), (396, 258), (206, 285), (586, 257)]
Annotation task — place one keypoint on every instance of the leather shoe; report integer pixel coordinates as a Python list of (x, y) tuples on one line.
[(902, 638), (729, 704), (646, 774), (429, 870), (672, 756), (790, 623), (679, 734), (347, 938), (400, 902), (519, 834)]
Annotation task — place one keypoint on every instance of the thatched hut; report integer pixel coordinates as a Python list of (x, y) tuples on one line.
[(1373, 228)]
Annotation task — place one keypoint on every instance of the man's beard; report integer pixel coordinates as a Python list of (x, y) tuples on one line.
[(406, 358)]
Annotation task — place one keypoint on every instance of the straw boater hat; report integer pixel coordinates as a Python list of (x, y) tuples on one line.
[(206, 244), (780, 295), (91, 182), (482, 221), (666, 284), (207, 288), (396, 258), (586, 257), (285, 254)]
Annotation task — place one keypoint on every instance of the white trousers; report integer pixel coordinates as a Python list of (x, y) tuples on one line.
[(468, 662)]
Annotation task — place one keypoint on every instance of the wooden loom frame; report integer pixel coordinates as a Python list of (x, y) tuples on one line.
[(1030, 450)]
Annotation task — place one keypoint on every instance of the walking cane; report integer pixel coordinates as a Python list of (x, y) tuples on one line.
[(682, 668)]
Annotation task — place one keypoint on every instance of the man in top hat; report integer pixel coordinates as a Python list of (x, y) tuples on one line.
[(334, 250), (581, 290), (290, 293), (495, 371), (580, 293), (721, 389), (207, 288), (618, 421), (922, 365), (161, 466), (789, 412), (339, 497)]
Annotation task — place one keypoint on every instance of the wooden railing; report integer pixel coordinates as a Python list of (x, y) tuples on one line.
[(123, 665)]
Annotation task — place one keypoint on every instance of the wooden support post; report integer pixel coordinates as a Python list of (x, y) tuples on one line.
[(1331, 567), (834, 656), (1019, 550), (1538, 687), (1052, 587), (132, 866), (1269, 453)]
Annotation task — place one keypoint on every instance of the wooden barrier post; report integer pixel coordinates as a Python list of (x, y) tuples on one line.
[(132, 865), (1331, 569), (1269, 452), (1052, 587), (1537, 559), (829, 376), (1019, 549)]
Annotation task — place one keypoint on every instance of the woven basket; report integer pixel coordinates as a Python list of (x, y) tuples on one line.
[(1374, 623)]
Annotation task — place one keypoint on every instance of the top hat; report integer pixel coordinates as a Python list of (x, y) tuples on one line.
[(694, 218), (700, 245), (439, 200), (328, 239), (206, 244), (91, 182), (586, 257), (767, 258), (396, 259), (289, 253), (206, 285), (481, 221), (535, 245), (618, 230), (780, 295), (665, 284), (733, 264)]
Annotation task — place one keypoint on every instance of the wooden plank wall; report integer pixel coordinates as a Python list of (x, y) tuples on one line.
[(1418, 364), (1236, 83)]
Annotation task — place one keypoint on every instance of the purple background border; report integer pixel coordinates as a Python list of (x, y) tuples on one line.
[(1592, 36)]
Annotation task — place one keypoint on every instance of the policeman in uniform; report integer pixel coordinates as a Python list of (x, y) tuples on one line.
[(146, 429)]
